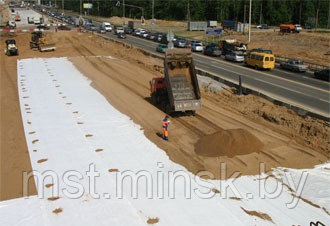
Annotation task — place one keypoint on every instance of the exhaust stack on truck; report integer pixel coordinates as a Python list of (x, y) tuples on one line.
[(178, 90)]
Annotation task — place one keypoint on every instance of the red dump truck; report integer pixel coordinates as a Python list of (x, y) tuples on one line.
[(288, 28), (178, 90)]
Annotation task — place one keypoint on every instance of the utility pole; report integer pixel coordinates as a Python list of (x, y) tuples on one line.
[(250, 20), (317, 15), (300, 12), (188, 11), (124, 12), (153, 9), (80, 7), (328, 26), (244, 19), (153, 14), (260, 16)]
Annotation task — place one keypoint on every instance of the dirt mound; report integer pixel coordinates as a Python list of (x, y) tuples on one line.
[(228, 143)]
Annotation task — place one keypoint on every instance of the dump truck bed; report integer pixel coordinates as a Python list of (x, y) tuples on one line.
[(181, 80)]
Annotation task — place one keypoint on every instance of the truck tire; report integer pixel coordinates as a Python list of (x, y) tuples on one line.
[(168, 109), (153, 99)]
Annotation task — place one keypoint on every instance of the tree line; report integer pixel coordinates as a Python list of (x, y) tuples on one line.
[(271, 12)]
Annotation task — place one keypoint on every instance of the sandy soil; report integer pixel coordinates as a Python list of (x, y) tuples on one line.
[(311, 47), (14, 156), (125, 83), (5, 14)]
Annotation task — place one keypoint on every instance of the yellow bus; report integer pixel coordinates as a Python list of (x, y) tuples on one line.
[(260, 60)]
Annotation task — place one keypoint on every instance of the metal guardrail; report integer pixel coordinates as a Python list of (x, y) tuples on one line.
[(311, 66)]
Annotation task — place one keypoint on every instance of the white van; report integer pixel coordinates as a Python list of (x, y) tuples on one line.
[(106, 26), (36, 20)]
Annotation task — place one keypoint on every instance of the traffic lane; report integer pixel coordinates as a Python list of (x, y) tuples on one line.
[(315, 99), (320, 94), (303, 78), (296, 77), (317, 93), (286, 95), (292, 92)]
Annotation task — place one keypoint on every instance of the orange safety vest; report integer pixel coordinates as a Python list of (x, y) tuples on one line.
[(165, 124)]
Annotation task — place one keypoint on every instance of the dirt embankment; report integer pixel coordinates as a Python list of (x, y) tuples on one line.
[(308, 131), (311, 47), (125, 83)]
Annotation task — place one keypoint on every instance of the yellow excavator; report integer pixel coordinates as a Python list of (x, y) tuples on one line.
[(39, 41)]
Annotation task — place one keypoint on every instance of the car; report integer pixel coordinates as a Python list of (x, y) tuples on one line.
[(159, 37), (63, 28), (197, 47), (145, 34), (180, 43), (235, 56), (161, 48), (106, 26), (43, 27), (294, 65), (102, 30), (93, 27), (151, 36), (121, 35), (323, 75), (212, 50), (263, 26), (128, 30), (118, 29)]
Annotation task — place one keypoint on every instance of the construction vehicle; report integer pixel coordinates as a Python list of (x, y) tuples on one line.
[(230, 45), (11, 48), (38, 41), (288, 28), (178, 90)]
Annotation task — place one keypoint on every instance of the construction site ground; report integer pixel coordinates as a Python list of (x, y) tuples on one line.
[(287, 139)]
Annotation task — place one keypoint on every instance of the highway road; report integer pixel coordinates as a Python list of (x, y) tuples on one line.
[(298, 89)]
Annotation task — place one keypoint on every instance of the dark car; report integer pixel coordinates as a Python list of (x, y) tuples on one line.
[(102, 30), (128, 30), (159, 37), (44, 27), (163, 39), (212, 50), (263, 26), (323, 75), (180, 43), (63, 28), (121, 35), (151, 36)]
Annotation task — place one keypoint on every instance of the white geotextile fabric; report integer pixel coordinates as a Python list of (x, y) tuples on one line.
[(61, 111)]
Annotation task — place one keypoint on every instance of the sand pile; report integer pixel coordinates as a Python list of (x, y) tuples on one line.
[(228, 143)]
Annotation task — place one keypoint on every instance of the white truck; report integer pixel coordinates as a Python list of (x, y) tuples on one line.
[(106, 26)]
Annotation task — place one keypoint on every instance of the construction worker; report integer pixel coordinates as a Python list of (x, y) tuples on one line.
[(165, 124)]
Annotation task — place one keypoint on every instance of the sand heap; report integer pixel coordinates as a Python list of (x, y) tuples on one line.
[(228, 143)]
